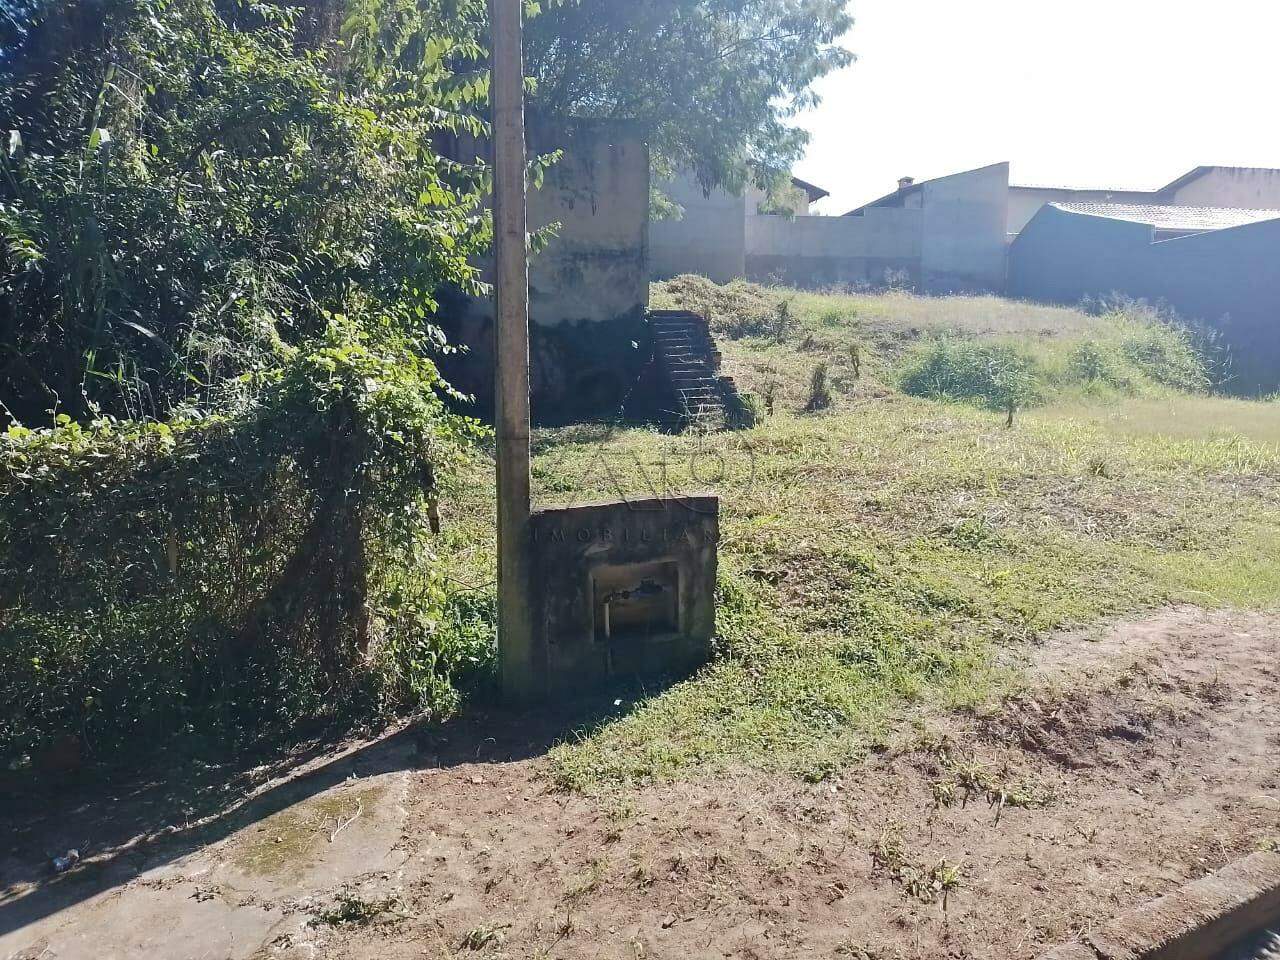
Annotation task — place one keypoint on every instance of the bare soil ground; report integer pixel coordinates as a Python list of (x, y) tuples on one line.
[(1141, 756)]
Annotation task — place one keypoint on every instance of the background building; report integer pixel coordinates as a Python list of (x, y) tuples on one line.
[(944, 236), (1239, 187)]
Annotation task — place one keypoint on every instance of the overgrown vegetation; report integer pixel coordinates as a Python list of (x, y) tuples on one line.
[(992, 352), (999, 375), (892, 555), (233, 573), (1133, 354), (736, 310), (223, 229), (190, 188)]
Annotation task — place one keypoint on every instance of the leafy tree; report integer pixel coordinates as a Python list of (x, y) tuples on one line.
[(715, 80), (189, 189), (222, 226)]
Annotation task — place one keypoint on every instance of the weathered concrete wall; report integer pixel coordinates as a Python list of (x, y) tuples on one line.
[(588, 288), (947, 237), (709, 240), (623, 589), (1247, 187), (964, 242), (596, 267), (1224, 278), (883, 246)]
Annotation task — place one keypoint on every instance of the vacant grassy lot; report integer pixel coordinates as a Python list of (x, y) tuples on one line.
[(895, 554), (893, 571)]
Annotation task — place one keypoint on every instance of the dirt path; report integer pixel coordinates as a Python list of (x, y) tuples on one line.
[(1148, 758)]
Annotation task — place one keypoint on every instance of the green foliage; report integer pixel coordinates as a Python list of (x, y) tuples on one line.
[(237, 571), (736, 310), (819, 390), (715, 81), (223, 227), (1165, 353), (1138, 349), (995, 374), (784, 199), (1096, 361), (1128, 354), (191, 187)]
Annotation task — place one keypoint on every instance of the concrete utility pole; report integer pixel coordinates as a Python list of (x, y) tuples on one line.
[(511, 346)]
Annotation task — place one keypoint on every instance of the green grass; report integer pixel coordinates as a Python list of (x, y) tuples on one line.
[(1182, 417), (893, 555)]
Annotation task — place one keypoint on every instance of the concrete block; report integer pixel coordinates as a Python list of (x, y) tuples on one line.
[(623, 589), (1201, 919)]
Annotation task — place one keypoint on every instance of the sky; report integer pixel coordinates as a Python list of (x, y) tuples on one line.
[(1088, 93)]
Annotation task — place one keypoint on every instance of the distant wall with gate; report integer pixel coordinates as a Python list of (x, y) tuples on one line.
[(947, 236)]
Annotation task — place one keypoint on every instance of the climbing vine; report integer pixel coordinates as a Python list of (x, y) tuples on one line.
[(235, 571)]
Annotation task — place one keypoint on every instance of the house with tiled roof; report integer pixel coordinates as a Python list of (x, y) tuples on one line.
[(1208, 186)]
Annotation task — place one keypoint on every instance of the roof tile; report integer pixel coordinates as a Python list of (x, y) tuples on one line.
[(1172, 218)]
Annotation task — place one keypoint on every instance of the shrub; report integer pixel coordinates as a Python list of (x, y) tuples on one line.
[(1099, 361), (1161, 346), (1136, 353), (238, 572), (999, 375), (1164, 353)]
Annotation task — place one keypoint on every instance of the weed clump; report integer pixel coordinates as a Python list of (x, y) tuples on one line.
[(998, 375), (736, 310), (1160, 346), (1136, 353), (819, 390), (1131, 354)]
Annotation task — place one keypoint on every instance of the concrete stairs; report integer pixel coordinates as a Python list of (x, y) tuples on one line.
[(687, 357)]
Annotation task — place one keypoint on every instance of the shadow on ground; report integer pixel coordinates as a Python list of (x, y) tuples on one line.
[(123, 829)]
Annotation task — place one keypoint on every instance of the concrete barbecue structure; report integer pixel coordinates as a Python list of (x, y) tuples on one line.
[(623, 589)]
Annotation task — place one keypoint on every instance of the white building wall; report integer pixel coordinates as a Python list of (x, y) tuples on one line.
[(881, 247), (1244, 187), (709, 240), (964, 243)]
